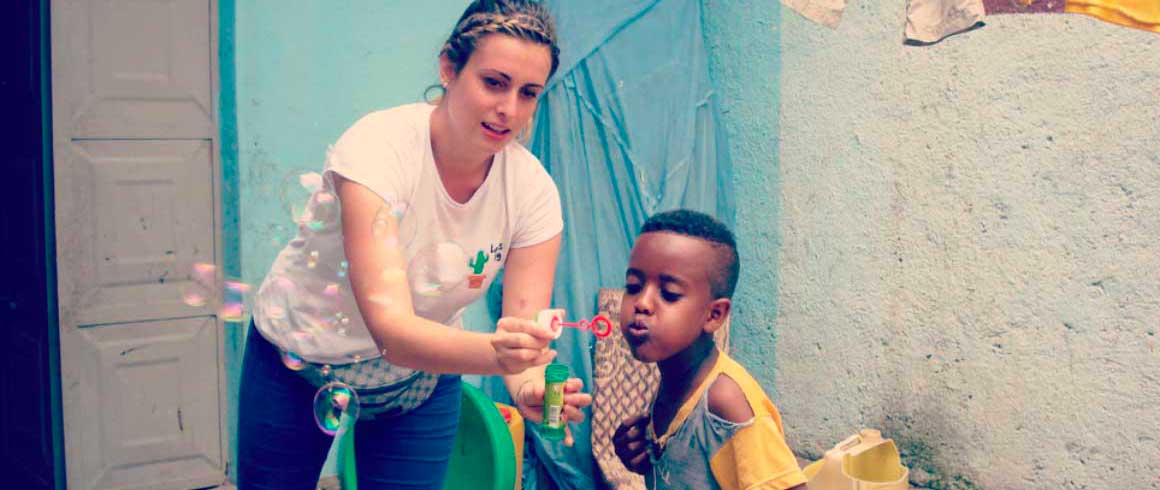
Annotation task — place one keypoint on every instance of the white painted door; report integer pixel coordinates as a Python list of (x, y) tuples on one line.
[(135, 163)]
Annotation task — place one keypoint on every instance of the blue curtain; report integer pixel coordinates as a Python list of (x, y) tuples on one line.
[(628, 127)]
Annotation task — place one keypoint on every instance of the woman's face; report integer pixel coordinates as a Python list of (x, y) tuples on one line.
[(493, 97)]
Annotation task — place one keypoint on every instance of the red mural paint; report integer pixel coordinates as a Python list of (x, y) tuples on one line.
[(1023, 6)]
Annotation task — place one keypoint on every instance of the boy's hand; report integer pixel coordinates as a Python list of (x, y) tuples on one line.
[(632, 444), (529, 399), (520, 344)]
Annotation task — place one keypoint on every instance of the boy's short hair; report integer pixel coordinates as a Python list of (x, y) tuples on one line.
[(727, 266)]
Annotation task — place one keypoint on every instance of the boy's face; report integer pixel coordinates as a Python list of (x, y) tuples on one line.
[(667, 299)]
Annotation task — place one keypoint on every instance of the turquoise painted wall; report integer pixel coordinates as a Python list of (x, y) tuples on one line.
[(304, 74), (300, 76), (744, 54)]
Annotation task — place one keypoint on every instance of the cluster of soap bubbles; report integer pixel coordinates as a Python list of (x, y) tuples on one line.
[(312, 208), (207, 287)]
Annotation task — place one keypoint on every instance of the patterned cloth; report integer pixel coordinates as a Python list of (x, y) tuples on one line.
[(383, 388)]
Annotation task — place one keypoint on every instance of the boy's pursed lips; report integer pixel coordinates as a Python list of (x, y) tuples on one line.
[(637, 332)]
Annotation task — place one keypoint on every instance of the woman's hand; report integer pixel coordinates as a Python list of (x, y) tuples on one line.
[(520, 344), (529, 399)]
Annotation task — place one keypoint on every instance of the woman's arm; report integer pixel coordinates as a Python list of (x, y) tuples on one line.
[(527, 288), (379, 281)]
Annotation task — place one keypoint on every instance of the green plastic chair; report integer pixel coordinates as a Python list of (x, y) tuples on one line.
[(483, 457)]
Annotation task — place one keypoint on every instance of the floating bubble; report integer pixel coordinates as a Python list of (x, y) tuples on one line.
[(204, 273), (312, 324), (279, 234), (292, 361), (325, 370), (311, 181), (299, 337), (195, 295), (392, 225), (342, 268), (275, 312), (233, 308), (321, 211), (284, 284), (305, 198), (202, 287), (381, 299), (429, 289), (295, 190), (335, 404), (331, 290), (399, 208), (380, 228), (438, 268), (312, 260)]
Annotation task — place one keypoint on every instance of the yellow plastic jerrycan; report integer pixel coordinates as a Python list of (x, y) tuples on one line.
[(864, 461)]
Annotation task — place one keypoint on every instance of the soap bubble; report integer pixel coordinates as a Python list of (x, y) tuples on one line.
[(437, 269), (334, 404)]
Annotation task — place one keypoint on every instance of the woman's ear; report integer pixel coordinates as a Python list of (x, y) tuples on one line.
[(718, 311), (446, 71)]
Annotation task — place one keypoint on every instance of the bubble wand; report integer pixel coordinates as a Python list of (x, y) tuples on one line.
[(553, 320)]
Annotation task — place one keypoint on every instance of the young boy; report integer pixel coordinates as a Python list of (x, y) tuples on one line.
[(711, 424)]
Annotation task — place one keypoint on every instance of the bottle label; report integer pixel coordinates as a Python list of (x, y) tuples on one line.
[(554, 405)]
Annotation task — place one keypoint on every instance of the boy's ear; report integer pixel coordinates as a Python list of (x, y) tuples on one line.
[(718, 311)]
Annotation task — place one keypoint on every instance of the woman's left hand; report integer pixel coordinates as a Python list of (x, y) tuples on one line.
[(529, 399)]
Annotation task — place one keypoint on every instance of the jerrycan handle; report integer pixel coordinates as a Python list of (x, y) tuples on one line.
[(862, 436)]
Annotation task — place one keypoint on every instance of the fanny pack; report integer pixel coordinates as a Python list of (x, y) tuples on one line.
[(383, 388)]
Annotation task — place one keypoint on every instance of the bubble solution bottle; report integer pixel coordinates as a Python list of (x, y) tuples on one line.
[(554, 378)]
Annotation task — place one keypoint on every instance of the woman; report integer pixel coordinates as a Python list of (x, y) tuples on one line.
[(417, 210)]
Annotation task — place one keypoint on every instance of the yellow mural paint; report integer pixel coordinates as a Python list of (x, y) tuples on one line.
[(1141, 14)]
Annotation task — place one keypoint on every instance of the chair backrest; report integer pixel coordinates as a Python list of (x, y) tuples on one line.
[(622, 387)]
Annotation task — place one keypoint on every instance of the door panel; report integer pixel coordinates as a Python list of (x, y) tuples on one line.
[(140, 214), (135, 408), (137, 68)]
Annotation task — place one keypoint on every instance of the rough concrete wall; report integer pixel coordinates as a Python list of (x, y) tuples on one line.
[(969, 253), (962, 239)]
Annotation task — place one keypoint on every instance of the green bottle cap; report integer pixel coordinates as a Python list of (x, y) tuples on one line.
[(556, 373)]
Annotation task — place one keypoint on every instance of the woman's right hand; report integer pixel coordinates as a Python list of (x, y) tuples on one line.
[(521, 344)]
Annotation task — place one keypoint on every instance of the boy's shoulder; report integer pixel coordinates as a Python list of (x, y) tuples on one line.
[(735, 395)]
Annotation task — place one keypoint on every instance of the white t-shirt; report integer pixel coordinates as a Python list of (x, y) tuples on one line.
[(453, 250)]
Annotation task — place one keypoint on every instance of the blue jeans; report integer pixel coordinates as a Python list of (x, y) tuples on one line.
[(281, 448)]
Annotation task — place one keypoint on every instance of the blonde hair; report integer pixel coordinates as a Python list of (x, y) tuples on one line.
[(523, 19)]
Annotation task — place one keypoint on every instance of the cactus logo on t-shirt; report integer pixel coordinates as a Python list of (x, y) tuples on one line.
[(479, 261)]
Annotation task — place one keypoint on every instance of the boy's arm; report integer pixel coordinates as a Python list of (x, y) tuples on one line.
[(756, 457), (727, 400)]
